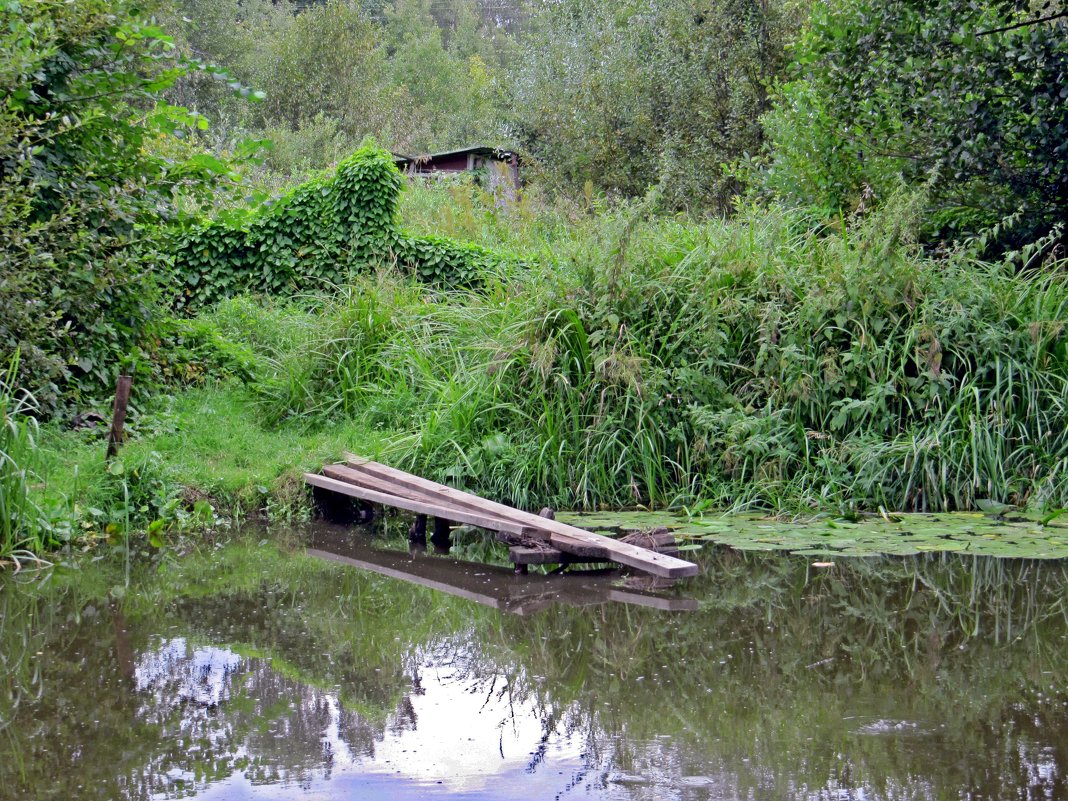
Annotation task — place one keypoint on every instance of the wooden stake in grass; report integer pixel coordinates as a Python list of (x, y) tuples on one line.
[(118, 414)]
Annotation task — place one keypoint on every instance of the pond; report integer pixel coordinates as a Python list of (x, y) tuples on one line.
[(322, 665)]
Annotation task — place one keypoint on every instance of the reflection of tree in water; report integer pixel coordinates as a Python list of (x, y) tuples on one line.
[(894, 663), (183, 714), (224, 709), (787, 684)]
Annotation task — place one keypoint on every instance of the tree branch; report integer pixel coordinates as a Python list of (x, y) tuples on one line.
[(1024, 24)]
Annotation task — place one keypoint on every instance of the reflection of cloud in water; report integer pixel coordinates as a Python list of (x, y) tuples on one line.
[(178, 672), (458, 732), (455, 733), (468, 734)]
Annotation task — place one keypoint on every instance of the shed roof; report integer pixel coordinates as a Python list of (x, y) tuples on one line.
[(500, 153)]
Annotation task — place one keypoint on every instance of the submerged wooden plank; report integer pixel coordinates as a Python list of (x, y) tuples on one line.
[(492, 586), (524, 555), (521, 555), (654, 601), (565, 537), (403, 571)]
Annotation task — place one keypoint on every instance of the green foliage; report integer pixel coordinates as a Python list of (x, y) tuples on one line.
[(748, 363), (441, 262), (968, 97), (321, 234), (20, 519), (192, 351), (629, 95), (417, 76), (89, 167)]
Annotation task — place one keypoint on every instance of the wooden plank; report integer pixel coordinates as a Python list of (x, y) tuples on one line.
[(419, 507), (364, 479), (486, 584), (524, 598), (442, 493), (520, 555), (565, 537)]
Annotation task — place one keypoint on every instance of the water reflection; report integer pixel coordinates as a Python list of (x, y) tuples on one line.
[(271, 730), (257, 674), (495, 586)]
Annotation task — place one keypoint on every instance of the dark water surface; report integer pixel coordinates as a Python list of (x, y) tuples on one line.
[(256, 672)]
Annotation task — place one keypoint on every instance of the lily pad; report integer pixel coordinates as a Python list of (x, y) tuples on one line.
[(1017, 537)]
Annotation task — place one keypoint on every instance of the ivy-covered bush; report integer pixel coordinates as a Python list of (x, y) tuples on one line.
[(91, 167), (444, 262), (321, 233)]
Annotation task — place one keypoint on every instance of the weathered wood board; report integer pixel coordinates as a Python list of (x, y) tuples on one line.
[(496, 587), (561, 536), (378, 483)]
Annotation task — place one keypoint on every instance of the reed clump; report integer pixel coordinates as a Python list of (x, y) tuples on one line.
[(21, 527), (759, 362)]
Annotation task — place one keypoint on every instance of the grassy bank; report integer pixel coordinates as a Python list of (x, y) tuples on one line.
[(760, 363), (200, 461)]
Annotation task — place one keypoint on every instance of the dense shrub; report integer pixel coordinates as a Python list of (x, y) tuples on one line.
[(88, 170), (967, 98), (621, 96), (320, 234)]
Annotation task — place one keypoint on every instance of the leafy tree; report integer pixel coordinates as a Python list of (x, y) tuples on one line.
[(968, 96), (414, 75), (89, 167), (626, 95), (447, 75)]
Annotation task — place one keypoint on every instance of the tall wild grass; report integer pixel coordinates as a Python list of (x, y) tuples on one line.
[(753, 363), (20, 523)]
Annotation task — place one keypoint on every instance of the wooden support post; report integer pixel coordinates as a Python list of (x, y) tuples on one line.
[(442, 537), (118, 414), (417, 532), (520, 568)]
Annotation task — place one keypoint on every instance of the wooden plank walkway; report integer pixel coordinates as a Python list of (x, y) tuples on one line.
[(378, 483)]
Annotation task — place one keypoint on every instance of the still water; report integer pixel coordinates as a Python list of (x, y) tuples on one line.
[(262, 670)]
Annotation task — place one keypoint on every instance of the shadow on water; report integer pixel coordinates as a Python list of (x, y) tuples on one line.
[(257, 672)]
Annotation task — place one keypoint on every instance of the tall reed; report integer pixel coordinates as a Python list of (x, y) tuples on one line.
[(758, 362), (20, 523)]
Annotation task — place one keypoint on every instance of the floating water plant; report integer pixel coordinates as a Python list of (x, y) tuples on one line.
[(1016, 536)]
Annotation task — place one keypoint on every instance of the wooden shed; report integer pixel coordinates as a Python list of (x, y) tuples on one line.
[(499, 166)]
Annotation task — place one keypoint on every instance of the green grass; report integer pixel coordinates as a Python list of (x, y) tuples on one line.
[(753, 363), (21, 528), (759, 363), (207, 445), (217, 446)]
